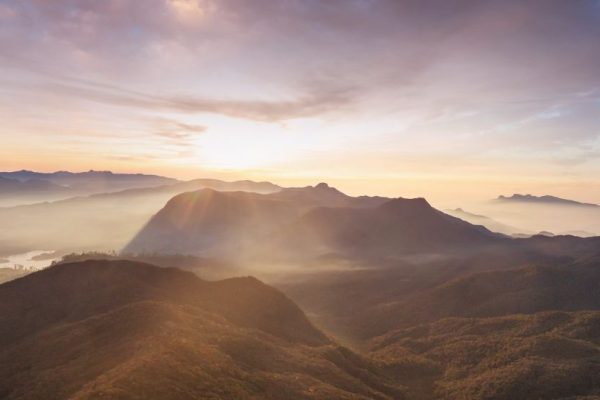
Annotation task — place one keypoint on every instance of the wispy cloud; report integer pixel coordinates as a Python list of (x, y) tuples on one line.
[(178, 133), (316, 101)]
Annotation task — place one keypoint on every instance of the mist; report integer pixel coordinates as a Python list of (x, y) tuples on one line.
[(555, 219)]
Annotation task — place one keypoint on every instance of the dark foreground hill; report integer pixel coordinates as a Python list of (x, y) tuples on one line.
[(125, 330)]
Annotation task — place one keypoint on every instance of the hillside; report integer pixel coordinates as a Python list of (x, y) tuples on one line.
[(209, 222), (8, 274), (488, 293), (134, 331), (395, 227), (550, 355)]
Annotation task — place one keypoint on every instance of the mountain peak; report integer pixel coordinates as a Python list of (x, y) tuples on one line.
[(417, 202), (322, 185)]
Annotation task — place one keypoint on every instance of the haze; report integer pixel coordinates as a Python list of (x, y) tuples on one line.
[(407, 98)]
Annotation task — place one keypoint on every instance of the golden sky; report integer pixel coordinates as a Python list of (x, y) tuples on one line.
[(444, 99)]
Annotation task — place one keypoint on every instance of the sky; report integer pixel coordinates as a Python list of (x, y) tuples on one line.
[(453, 100)]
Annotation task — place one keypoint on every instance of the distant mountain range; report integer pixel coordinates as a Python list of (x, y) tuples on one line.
[(106, 181), (9, 185), (24, 186), (98, 181), (527, 198)]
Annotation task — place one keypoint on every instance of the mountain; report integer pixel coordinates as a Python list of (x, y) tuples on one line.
[(294, 222), (92, 182), (209, 222), (26, 187), (396, 227), (104, 221), (10, 186), (490, 223), (550, 200), (98, 181), (120, 329), (549, 355)]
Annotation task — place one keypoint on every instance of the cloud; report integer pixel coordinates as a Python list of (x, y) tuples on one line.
[(190, 127), (178, 133), (443, 50), (318, 100)]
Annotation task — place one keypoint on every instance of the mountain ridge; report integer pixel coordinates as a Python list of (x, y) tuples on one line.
[(129, 330), (295, 217), (545, 199), (118, 282)]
